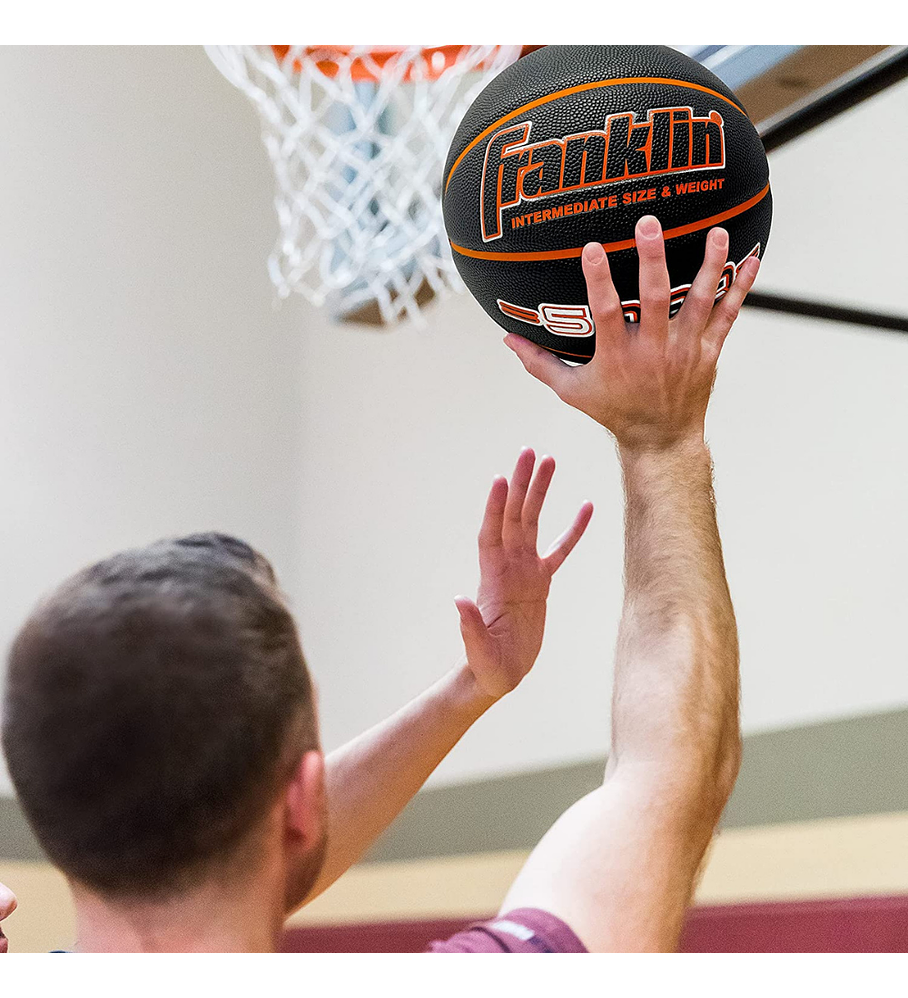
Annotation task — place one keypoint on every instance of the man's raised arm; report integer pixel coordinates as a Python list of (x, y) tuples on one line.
[(620, 865), (371, 779)]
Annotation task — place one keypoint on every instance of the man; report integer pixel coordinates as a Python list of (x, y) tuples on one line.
[(160, 725)]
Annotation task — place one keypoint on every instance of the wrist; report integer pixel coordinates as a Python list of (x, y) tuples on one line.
[(685, 446), (463, 695)]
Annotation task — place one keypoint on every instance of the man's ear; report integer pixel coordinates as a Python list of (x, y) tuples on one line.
[(304, 800)]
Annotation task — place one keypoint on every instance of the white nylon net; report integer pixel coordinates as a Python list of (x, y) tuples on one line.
[(358, 154)]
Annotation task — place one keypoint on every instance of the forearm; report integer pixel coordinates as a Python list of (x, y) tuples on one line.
[(675, 701), (620, 865), (372, 778)]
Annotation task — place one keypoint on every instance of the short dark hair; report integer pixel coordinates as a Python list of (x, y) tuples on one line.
[(155, 705)]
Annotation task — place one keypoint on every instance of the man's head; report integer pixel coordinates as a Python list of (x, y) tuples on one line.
[(158, 715)]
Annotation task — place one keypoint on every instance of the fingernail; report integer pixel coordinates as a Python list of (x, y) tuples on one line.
[(649, 226), (753, 262), (719, 237), (593, 253)]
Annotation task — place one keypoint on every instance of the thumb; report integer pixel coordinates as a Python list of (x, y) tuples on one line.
[(544, 366), (472, 626)]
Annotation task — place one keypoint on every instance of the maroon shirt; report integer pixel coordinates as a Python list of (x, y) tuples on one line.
[(526, 930)]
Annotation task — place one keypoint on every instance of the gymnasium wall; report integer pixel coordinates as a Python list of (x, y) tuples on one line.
[(406, 429), (149, 388)]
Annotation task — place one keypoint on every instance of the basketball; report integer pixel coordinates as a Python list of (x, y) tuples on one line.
[(573, 144)]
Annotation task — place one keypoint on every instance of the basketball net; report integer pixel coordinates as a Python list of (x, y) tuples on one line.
[(358, 137)]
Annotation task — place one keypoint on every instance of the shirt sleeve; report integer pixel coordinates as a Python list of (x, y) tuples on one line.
[(525, 930)]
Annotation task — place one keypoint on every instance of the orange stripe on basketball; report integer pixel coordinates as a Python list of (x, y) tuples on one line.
[(516, 312), (517, 308), (579, 89), (567, 254)]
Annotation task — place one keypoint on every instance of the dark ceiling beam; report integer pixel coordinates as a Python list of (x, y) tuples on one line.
[(865, 80), (773, 302)]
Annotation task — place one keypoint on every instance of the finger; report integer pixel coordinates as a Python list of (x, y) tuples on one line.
[(544, 366), (512, 529), (472, 627), (8, 901), (655, 287), (554, 557), (490, 531), (725, 313), (605, 305), (698, 304), (535, 498)]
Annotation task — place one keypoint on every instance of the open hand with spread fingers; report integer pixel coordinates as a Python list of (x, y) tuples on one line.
[(503, 629), (648, 382)]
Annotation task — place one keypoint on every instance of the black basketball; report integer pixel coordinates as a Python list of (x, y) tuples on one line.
[(573, 144)]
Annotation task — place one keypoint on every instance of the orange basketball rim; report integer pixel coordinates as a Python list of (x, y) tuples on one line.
[(369, 64)]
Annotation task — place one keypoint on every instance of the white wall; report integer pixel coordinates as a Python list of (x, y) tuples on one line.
[(148, 387), (405, 433), (808, 429)]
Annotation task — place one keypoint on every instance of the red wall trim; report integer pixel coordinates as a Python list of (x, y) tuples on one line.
[(835, 925), (840, 925)]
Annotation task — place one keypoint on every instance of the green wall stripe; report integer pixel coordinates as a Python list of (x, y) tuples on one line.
[(503, 812), (16, 839), (834, 769)]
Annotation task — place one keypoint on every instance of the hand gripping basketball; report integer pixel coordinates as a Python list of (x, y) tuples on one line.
[(648, 382)]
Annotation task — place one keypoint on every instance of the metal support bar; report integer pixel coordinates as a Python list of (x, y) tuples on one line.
[(822, 310), (866, 80)]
